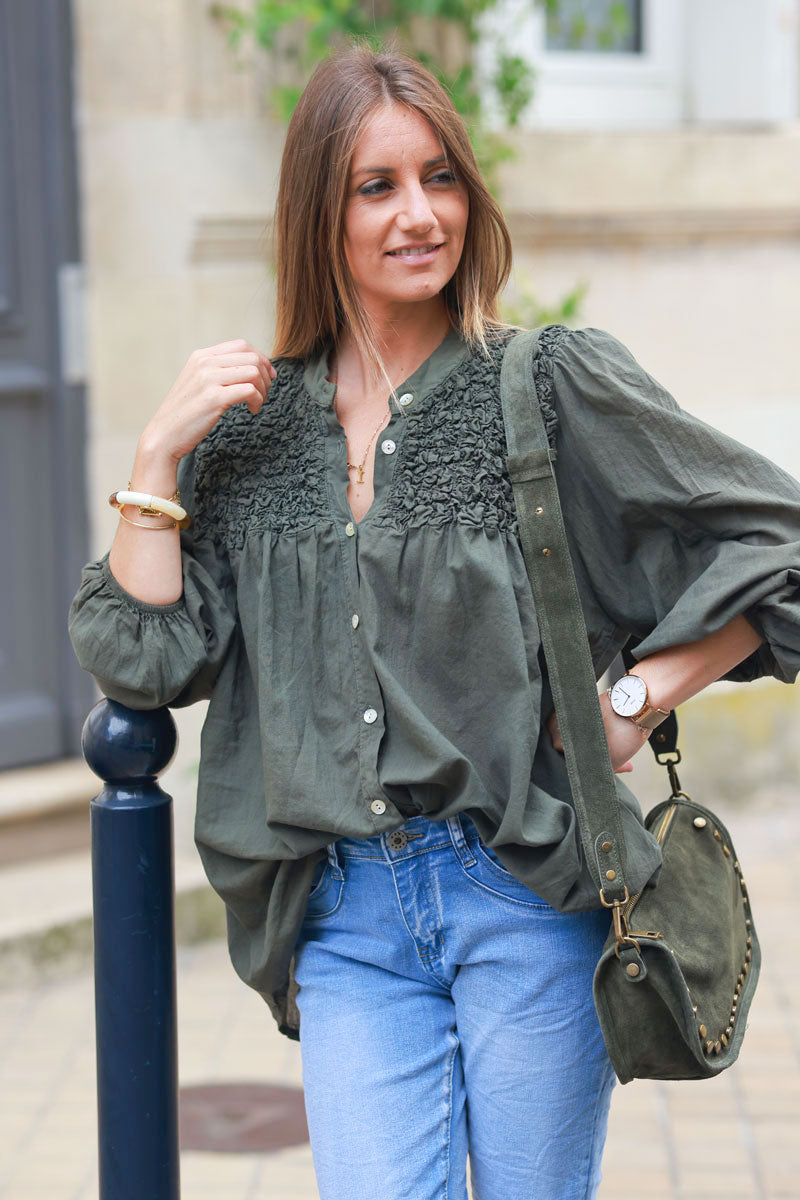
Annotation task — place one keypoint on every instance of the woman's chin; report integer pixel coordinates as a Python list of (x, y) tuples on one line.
[(417, 291)]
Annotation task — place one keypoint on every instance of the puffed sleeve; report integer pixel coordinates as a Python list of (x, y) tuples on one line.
[(674, 526), (146, 655)]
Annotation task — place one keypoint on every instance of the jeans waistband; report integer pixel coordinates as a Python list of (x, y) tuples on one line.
[(417, 835)]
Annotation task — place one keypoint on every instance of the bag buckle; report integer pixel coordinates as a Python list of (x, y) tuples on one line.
[(623, 935), (670, 760), (618, 917)]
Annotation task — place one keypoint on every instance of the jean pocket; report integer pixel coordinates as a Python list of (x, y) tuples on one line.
[(490, 874), (327, 889), (487, 852)]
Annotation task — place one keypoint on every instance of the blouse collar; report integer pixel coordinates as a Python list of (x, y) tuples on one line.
[(436, 367)]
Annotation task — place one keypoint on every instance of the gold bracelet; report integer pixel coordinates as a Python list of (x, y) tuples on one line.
[(150, 506), (141, 524)]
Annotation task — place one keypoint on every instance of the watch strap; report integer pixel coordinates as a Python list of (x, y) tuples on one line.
[(650, 717), (560, 616)]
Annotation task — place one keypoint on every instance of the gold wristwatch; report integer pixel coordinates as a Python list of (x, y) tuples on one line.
[(629, 699)]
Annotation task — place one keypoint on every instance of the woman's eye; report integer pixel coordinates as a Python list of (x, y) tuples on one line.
[(374, 188), (377, 187)]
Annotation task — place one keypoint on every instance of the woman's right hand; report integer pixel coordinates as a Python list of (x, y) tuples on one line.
[(213, 380)]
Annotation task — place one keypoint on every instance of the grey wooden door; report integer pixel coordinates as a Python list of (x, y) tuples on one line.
[(42, 491)]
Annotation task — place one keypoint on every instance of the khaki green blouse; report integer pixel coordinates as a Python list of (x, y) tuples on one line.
[(360, 672)]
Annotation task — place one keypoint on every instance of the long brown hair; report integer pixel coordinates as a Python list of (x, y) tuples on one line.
[(316, 294)]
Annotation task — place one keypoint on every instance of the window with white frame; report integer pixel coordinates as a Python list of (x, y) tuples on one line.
[(638, 64)]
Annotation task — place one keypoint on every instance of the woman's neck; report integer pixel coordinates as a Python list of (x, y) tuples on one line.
[(405, 340)]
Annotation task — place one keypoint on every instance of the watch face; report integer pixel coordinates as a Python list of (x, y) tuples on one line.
[(629, 695)]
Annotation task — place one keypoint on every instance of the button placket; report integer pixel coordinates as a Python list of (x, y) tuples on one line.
[(367, 712), (366, 706)]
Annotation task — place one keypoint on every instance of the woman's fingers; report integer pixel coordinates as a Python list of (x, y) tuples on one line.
[(255, 360), (238, 368), (235, 393), (235, 346), (245, 373), (555, 734), (238, 347), (234, 352), (233, 367)]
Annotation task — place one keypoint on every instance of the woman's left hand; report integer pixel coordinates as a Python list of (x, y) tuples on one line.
[(624, 738)]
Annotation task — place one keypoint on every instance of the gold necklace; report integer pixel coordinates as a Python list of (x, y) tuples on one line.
[(358, 466)]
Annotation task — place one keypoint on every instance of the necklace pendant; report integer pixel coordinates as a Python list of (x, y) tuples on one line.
[(360, 474)]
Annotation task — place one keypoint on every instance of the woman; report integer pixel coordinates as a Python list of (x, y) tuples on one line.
[(382, 802)]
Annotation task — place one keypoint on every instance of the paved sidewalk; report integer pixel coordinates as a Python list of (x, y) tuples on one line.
[(738, 1136)]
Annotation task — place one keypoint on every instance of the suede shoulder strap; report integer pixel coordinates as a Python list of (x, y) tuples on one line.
[(560, 617)]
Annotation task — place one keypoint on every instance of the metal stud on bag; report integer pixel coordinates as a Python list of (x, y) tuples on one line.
[(710, 1046)]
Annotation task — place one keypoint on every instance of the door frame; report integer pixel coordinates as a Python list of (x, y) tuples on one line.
[(70, 431)]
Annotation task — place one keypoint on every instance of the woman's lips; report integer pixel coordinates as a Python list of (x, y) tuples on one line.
[(415, 254)]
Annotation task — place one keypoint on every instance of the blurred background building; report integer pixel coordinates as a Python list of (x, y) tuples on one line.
[(138, 169)]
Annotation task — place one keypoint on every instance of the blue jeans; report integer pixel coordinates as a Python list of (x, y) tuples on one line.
[(446, 1009)]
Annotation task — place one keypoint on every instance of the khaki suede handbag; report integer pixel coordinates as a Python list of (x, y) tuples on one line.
[(677, 974)]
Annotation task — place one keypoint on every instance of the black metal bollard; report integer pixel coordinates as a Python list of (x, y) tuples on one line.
[(134, 953)]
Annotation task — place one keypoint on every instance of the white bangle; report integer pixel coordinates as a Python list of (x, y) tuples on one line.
[(156, 504)]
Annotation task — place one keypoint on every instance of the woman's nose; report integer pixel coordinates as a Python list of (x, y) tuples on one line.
[(415, 210)]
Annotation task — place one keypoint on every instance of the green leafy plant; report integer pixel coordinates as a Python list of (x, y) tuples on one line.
[(521, 306)]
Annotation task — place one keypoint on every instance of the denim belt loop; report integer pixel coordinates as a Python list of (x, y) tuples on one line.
[(333, 858), (460, 843)]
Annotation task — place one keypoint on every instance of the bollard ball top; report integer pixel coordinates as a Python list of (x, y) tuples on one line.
[(127, 743)]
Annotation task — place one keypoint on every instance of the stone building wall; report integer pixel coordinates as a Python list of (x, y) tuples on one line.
[(175, 147), (689, 240)]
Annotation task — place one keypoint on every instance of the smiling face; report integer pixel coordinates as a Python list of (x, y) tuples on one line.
[(406, 213)]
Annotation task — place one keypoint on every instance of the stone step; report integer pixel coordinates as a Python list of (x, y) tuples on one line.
[(31, 793), (44, 810), (46, 915)]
